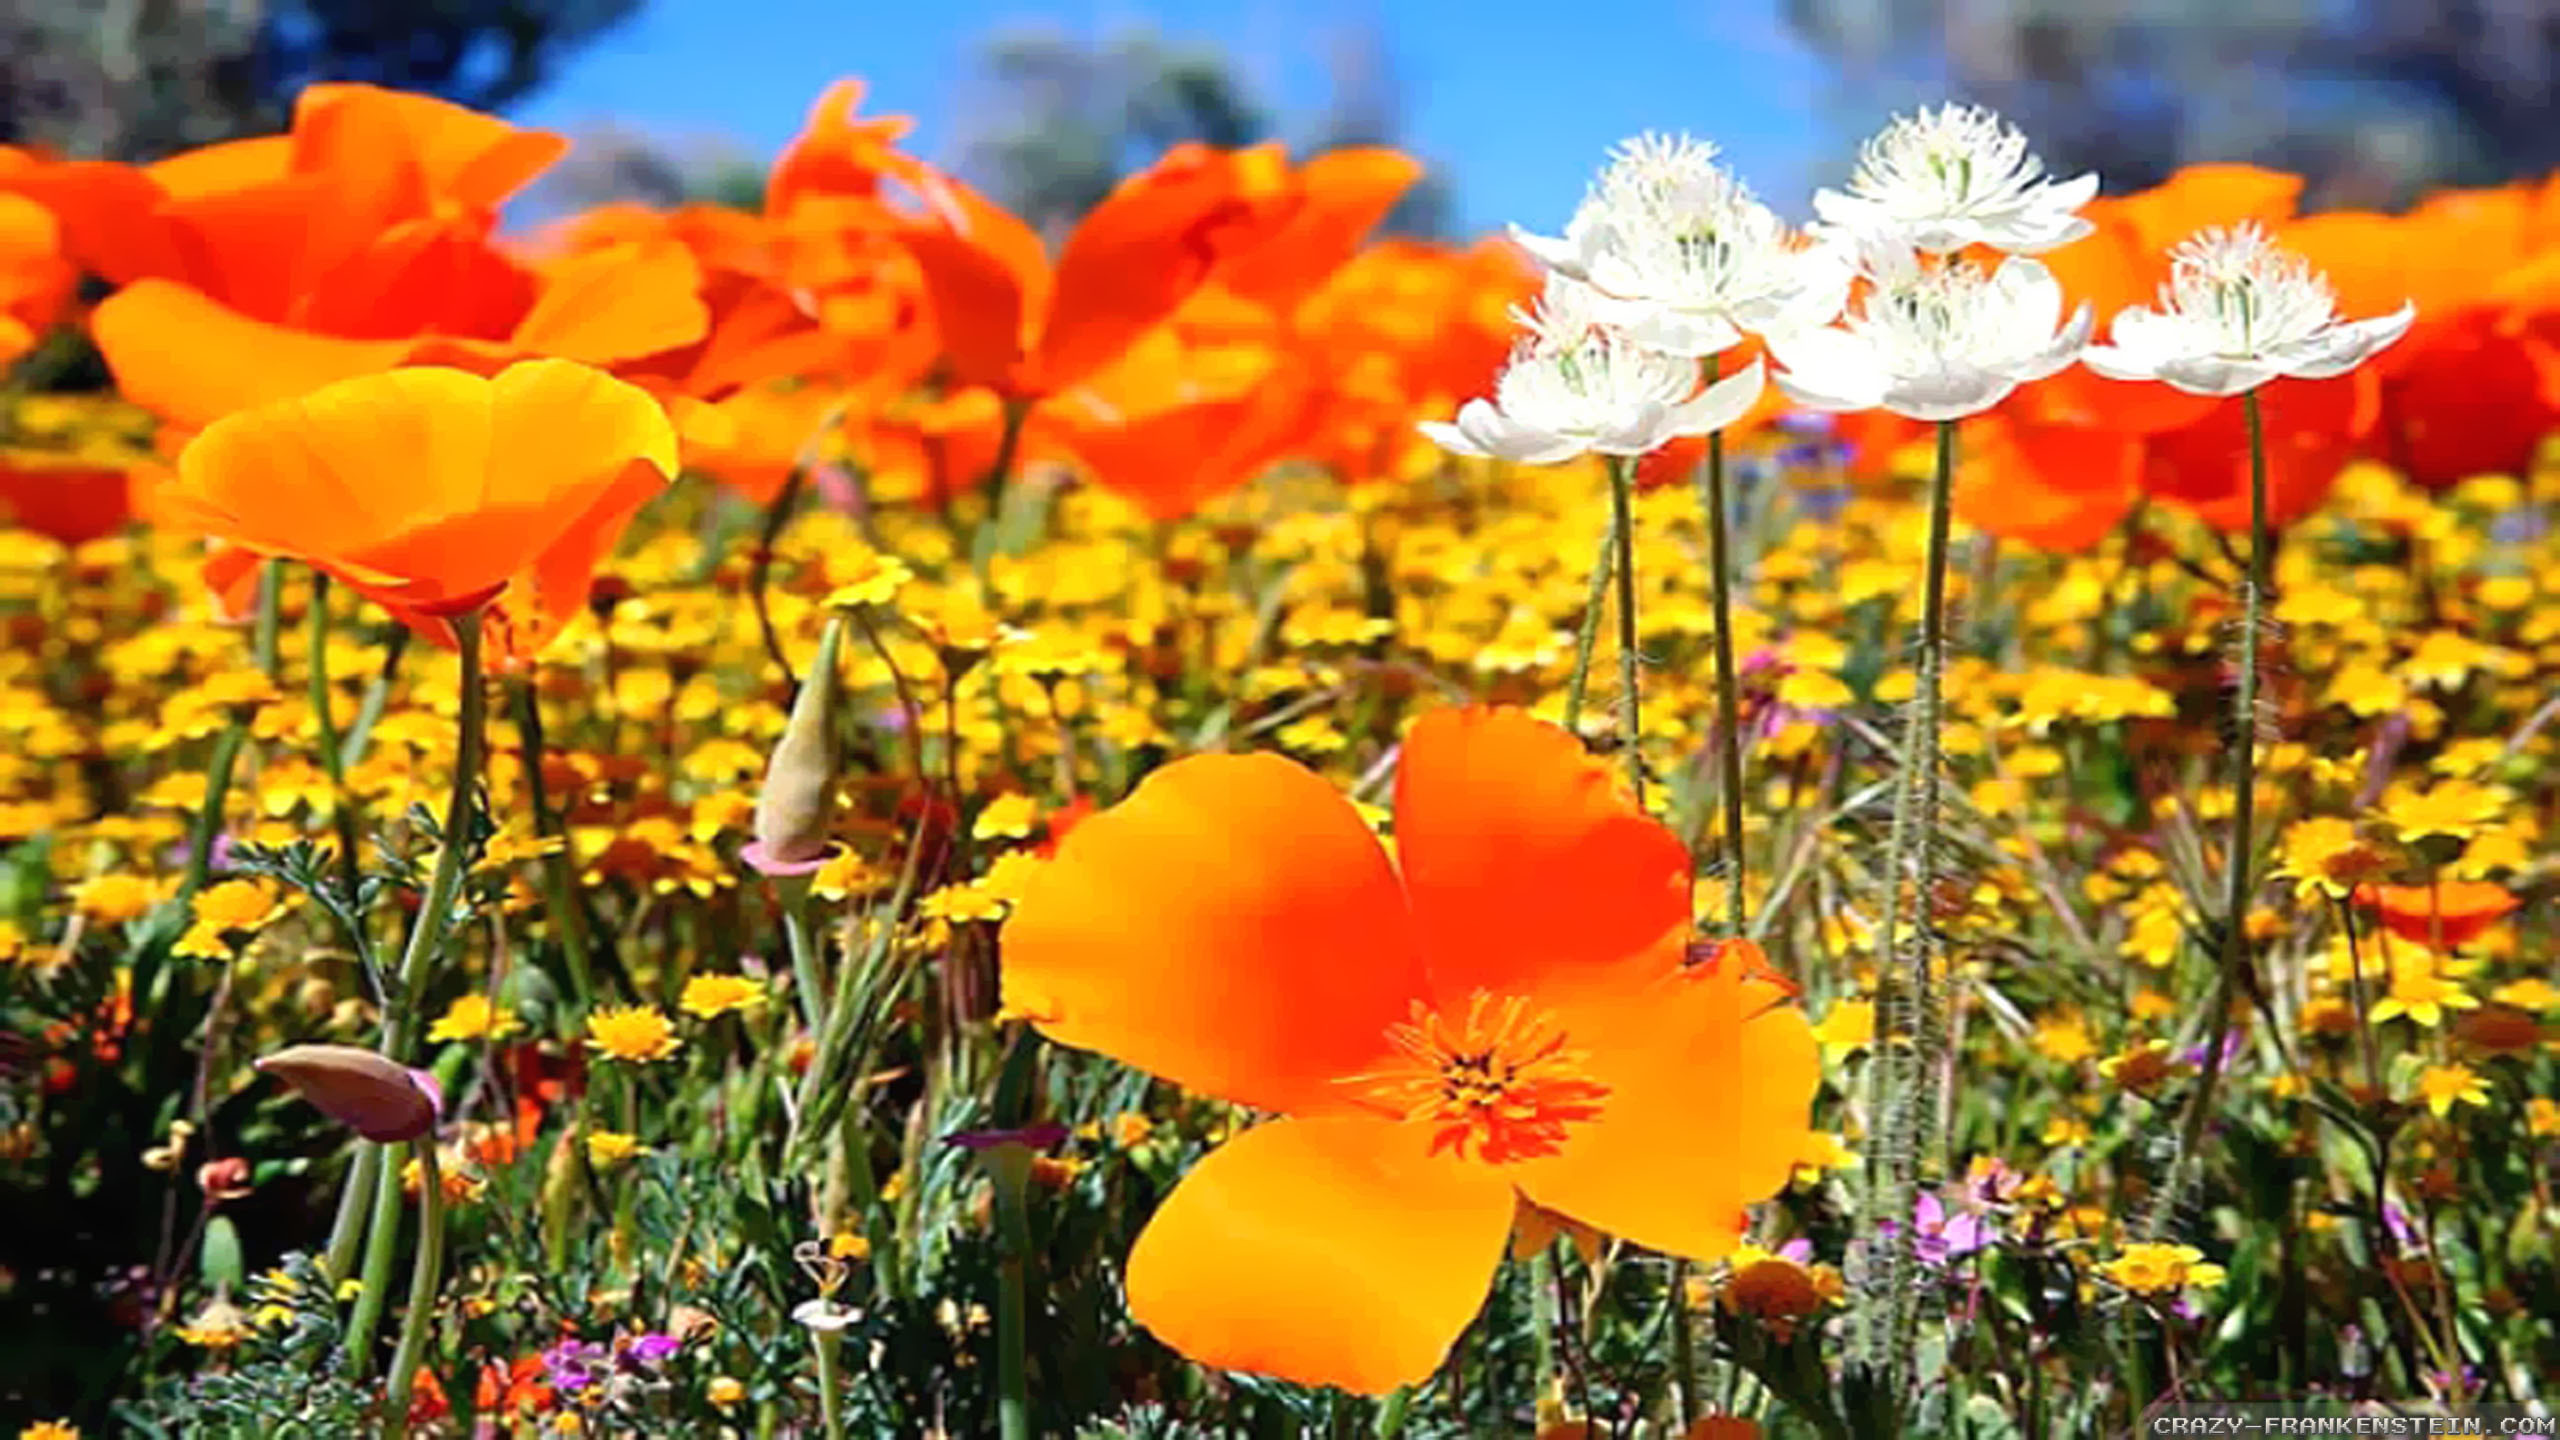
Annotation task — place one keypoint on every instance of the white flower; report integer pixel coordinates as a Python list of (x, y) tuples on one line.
[(1934, 340), (1577, 385), (825, 1316), (1685, 258), (2237, 312), (1955, 176)]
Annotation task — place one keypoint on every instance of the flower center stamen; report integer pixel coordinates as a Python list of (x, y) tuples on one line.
[(1500, 1085)]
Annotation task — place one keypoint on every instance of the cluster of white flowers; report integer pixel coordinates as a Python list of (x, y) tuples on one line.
[(1670, 259)]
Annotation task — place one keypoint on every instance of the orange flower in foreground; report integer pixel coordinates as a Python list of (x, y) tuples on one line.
[(1501, 1013), (438, 492), (2443, 915)]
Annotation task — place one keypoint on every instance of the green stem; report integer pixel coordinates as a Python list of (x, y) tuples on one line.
[(423, 1278), (1684, 1356), (346, 1233), (793, 890), (1728, 685), (435, 912), (824, 1343), (776, 517), (377, 695), (381, 1240), (217, 786), (559, 879), (266, 632), (1622, 527), (324, 726), (1900, 1127), (2244, 807), (1588, 636), (1010, 1163)]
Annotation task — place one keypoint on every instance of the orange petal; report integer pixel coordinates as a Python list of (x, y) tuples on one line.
[(1328, 1252), (1711, 1081), (618, 304), (2201, 195), (192, 360), (1133, 261), (1231, 926), (978, 304), (1528, 869), (1347, 192), (2313, 427), (415, 151)]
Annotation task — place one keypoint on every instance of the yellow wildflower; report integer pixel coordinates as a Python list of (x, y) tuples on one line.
[(2444, 1086), (117, 898), (474, 1017), (636, 1033), (707, 997), (608, 1148), (2421, 993), (1009, 816), (2149, 1269)]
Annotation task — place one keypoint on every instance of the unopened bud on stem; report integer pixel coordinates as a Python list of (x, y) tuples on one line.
[(798, 799)]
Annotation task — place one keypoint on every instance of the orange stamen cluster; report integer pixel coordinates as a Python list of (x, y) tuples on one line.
[(1498, 1086)]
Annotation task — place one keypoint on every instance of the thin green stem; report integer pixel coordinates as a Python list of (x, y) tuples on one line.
[(217, 786), (346, 1233), (1901, 1130), (324, 726), (793, 891), (1622, 526), (776, 516), (381, 1240), (2244, 808), (1728, 684), (824, 1343), (267, 631), (1010, 1164), (424, 1276), (559, 878), (377, 695), (435, 912), (1587, 638)]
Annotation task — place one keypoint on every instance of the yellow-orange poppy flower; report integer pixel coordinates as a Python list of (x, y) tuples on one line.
[(438, 492), (1501, 1012)]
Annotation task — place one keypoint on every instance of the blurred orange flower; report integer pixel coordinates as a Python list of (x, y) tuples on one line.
[(2440, 916), (1501, 1012)]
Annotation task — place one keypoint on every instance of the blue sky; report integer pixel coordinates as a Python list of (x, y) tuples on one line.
[(1514, 101)]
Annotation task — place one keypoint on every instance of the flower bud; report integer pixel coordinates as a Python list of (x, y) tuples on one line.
[(798, 797), (368, 1093)]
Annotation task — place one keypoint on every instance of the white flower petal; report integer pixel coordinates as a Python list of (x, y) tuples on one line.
[(1558, 254), (2215, 375), (1951, 392), (2344, 347), (1722, 403)]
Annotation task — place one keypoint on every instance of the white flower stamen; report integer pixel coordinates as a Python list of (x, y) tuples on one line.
[(1958, 175)]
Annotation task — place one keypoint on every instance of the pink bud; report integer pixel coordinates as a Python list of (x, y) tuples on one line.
[(368, 1093)]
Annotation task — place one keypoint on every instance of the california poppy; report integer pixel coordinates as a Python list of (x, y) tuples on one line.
[(1501, 1012), (2443, 915), (1013, 321), (438, 492)]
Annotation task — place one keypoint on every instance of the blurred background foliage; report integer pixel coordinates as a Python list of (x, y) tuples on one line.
[(2373, 100)]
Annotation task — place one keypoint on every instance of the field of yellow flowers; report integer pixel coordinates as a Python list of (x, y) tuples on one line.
[(851, 821)]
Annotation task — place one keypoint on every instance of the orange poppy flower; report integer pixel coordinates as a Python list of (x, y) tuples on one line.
[(35, 279), (1013, 322), (2443, 915), (437, 492), (63, 496), (1499, 1013), (2314, 427)]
